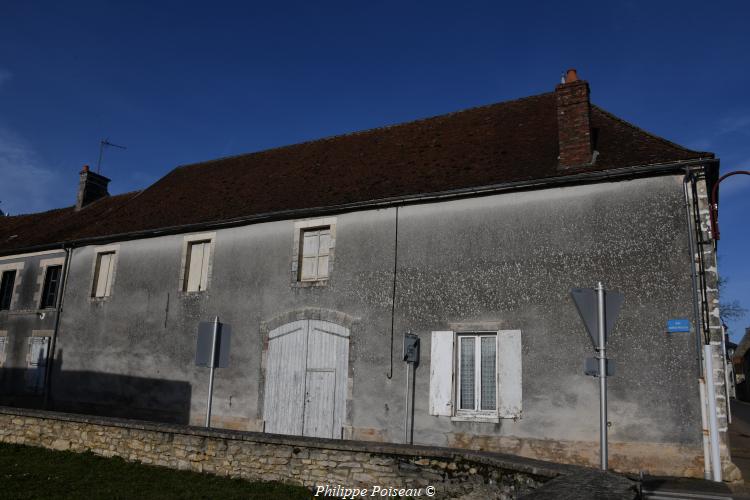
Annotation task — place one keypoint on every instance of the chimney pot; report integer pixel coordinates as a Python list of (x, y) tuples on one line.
[(571, 76)]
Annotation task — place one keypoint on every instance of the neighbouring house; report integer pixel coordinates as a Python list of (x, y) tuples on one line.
[(741, 364), (468, 230)]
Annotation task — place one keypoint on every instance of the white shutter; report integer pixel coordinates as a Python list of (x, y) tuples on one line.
[(110, 274), (37, 362), (194, 267), (102, 274), (441, 373), (3, 343), (509, 371), (204, 265)]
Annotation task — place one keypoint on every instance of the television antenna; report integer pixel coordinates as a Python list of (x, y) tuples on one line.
[(102, 144)]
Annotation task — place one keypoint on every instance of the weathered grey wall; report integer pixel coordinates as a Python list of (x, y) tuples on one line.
[(506, 260), (20, 322)]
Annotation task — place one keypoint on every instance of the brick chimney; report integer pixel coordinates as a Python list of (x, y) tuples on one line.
[(573, 122), (91, 187)]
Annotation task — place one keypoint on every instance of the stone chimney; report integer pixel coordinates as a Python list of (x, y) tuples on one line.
[(91, 187), (573, 122)]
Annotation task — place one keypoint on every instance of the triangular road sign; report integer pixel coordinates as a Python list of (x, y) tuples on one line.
[(586, 303)]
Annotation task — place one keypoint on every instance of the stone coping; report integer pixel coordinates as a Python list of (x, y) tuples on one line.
[(539, 468)]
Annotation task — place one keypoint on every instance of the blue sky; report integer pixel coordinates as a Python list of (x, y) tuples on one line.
[(180, 82)]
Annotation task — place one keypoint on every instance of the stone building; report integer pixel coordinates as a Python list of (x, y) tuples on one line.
[(468, 230)]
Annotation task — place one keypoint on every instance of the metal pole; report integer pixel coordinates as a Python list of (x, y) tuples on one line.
[(602, 378), (713, 425), (406, 407), (211, 375)]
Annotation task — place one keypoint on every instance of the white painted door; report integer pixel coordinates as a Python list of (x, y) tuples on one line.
[(285, 378), (319, 403), (306, 379)]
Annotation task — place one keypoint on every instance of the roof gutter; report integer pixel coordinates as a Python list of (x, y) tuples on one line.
[(580, 178)]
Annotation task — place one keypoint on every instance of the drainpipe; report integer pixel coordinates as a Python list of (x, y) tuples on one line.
[(691, 244), (705, 432), (58, 312), (712, 420)]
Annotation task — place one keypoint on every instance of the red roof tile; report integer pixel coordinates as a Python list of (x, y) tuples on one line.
[(494, 144)]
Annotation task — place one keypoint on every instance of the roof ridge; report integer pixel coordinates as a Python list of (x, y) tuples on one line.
[(358, 132), (650, 134)]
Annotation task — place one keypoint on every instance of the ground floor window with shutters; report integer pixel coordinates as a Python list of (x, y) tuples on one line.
[(476, 376)]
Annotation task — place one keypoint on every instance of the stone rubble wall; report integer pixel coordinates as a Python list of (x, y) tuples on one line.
[(310, 462)]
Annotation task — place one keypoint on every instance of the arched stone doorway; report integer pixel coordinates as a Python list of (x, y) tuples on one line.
[(306, 379)]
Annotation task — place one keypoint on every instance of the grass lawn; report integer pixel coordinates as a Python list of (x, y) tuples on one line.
[(30, 472)]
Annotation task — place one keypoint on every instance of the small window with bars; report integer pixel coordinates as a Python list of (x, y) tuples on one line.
[(314, 253), (7, 283), (196, 266), (103, 275), (477, 373), (51, 286)]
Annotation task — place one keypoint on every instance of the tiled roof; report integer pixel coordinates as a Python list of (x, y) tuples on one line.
[(494, 144)]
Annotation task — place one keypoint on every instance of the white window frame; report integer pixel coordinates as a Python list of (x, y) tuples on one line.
[(476, 411), (18, 268), (187, 243), (114, 250), (300, 227), (445, 375)]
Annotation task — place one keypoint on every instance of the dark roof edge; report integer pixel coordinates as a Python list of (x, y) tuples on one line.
[(579, 178)]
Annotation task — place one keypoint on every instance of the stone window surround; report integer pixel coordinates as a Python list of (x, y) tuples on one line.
[(17, 267), (43, 265), (99, 250), (299, 227), (186, 241)]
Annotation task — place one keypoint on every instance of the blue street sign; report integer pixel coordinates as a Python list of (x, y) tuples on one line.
[(678, 325)]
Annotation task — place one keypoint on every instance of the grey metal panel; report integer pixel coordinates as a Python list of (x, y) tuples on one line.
[(285, 378), (205, 339), (319, 402)]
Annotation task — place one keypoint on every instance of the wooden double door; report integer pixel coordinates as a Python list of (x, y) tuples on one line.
[(306, 379)]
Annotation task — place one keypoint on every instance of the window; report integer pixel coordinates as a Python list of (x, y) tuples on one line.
[(103, 274), (196, 266), (51, 284), (314, 254), (476, 375), (7, 283)]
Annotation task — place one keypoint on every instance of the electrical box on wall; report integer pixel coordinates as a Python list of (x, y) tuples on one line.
[(411, 348)]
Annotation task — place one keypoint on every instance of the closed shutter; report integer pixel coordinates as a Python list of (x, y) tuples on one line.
[(204, 265), (110, 274), (441, 373), (3, 343), (509, 372), (37, 363), (195, 266), (104, 268)]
